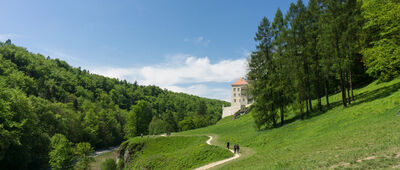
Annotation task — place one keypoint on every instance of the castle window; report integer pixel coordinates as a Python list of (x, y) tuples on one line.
[(234, 94), (234, 100)]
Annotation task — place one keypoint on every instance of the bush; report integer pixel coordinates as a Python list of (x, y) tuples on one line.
[(158, 126), (62, 153), (83, 151), (109, 164)]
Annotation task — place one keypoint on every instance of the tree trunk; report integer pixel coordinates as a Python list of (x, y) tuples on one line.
[(327, 92), (308, 86), (317, 82), (309, 91), (351, 85), (282, 116), (308, 111), (348, 88), (274, 120), (301, 110), (273, 115), (342, 88)]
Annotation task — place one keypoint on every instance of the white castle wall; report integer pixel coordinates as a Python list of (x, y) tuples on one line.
[(228, 111)]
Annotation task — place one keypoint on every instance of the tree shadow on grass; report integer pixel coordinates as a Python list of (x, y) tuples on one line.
[(370, 96), (364, 97)]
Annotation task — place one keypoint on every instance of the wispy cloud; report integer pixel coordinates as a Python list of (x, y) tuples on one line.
[(198, 41), (183, 69), (5, 37), (245, 52), (60, 54)]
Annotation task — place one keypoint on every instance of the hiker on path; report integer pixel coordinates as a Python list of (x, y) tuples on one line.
[(237, 148), (227, 145), (234, 149)]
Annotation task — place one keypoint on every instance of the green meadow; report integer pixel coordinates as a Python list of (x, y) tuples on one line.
[(174, 152), (365, 135)]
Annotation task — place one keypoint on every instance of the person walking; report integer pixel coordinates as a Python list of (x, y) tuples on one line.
[(227, 145), (237, 148), (234, 149)]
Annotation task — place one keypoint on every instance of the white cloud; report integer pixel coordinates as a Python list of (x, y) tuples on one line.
[(193, 70), (184, 69), (198, 41), (204, 91)]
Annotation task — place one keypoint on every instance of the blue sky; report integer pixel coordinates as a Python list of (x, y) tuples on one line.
[(193, 46)]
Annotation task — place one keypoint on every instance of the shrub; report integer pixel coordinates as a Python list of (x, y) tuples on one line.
[(109, 164)]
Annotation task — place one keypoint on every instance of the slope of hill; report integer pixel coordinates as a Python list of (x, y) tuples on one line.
[(171, 152), (365, 135)]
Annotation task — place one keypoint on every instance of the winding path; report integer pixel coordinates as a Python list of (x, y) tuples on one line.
[(210, 165)]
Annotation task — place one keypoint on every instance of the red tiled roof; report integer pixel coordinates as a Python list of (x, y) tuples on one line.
[(240, 82)]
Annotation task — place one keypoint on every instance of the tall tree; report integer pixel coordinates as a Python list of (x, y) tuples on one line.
[(325, 49), (313, 32), (260, 71), (336, 24), (351, 40), (279, 79), (296, 43)]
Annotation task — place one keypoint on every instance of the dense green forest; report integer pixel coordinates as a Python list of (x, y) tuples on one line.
[(320, 49), (54, 114)]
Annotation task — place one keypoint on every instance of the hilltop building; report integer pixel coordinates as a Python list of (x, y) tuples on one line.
[(240, 98)]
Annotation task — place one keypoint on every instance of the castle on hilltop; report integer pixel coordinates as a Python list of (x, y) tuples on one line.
[(240, 98)]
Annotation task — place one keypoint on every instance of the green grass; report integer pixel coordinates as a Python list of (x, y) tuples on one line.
[(175, 153), (336, 138)]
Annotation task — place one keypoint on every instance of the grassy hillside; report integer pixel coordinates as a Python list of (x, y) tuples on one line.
[(173, 152), (365, 135)]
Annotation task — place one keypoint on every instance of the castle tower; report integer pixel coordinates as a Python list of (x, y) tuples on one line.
[(239, 93), (240, 98)]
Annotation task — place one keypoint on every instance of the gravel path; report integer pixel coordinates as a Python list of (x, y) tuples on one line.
[(210, 165)]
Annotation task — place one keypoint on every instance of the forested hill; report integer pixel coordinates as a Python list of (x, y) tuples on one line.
[(41, 97)]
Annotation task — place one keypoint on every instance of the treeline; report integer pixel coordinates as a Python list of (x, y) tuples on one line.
[(315, 50), (42, 97)]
